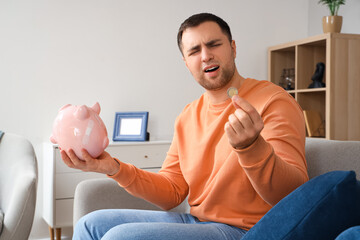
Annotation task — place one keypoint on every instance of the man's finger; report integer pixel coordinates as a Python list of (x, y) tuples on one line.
[(77, 162), (64, 156), (86, 155), (66, 159), (229, 130), (241, 103)]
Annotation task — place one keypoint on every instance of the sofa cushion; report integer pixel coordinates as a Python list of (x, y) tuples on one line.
[(319, 209)]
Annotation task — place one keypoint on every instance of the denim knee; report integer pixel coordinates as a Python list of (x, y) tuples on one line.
[(88, 226), (149, 231), (174, 231), (352, 233)]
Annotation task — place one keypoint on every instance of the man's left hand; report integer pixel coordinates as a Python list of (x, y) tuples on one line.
[(244, 125)]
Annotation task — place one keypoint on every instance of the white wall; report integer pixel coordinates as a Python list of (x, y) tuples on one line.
[(350, 12), (122, 54)]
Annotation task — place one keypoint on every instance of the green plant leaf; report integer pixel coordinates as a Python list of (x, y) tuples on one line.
[(333, 5)]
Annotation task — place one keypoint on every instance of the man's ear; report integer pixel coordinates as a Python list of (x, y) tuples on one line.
[(233, 48)]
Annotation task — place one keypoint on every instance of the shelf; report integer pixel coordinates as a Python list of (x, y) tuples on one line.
[(338, 102), (311, 90), (313, 101), (308, 90), (309, 55)]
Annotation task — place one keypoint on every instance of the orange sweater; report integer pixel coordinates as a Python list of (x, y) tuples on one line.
[(236, 187)]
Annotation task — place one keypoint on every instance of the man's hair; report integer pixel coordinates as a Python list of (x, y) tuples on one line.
[(196, 20)]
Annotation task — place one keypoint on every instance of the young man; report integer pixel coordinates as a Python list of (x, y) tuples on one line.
[(233, 158)]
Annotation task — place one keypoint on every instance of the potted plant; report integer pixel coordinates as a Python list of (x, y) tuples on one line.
[(333, 22)]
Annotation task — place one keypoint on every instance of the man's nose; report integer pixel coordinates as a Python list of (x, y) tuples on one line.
[(206, 55)]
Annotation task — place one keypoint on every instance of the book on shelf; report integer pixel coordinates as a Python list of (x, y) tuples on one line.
[(315, 126)]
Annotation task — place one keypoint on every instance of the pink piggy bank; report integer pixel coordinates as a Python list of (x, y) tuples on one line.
[(80, 127)]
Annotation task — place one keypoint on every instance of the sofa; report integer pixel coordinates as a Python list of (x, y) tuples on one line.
[(332, 167), (18, 184)]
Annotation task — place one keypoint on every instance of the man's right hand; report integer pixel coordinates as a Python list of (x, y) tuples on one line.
[(103, 164), (244, 125)]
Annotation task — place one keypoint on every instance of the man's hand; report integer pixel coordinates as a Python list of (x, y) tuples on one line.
[(103, 164), (244, 125)]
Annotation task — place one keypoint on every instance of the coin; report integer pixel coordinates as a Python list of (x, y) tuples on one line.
[(232, 91)]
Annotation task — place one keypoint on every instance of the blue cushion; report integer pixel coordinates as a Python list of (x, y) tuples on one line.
[(319, 209), (352, 233)]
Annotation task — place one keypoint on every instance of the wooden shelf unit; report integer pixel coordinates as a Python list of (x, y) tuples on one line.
[(339, 101)]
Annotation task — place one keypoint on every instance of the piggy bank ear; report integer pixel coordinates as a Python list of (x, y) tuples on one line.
[(82, 113), (96, 108), (65, 106)]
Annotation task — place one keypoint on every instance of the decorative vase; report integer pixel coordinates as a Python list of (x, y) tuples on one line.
[(332, 24)]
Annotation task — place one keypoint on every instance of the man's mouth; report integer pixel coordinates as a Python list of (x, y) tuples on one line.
[(211, 69)]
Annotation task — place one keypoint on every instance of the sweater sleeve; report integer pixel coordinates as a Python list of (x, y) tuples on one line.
[(275, 163), (166, 189)]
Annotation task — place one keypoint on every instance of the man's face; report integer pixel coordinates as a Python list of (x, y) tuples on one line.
[(209, 55)]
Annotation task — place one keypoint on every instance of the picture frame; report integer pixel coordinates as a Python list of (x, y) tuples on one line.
[(131, 126)]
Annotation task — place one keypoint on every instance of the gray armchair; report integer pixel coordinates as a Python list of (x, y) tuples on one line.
[(18, 180), (322, 156)]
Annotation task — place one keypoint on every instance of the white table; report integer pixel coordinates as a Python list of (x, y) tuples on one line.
[(60, 181)]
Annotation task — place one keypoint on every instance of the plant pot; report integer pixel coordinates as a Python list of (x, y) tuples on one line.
[(332, 24)]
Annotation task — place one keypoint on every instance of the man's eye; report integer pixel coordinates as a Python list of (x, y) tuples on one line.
[(216, 45), (193, 52)]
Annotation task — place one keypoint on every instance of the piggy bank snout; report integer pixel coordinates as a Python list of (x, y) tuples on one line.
[(52, 139)]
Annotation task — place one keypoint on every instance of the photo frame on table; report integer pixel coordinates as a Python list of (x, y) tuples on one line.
[(131, 126)]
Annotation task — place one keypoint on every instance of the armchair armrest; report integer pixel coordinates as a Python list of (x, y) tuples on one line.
[(95, 194)]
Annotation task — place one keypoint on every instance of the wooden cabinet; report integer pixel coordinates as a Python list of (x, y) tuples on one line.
[(60, 181), (339, 101)]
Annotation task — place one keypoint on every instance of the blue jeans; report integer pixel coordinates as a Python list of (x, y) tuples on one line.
[(119, 224), (352, 233)]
